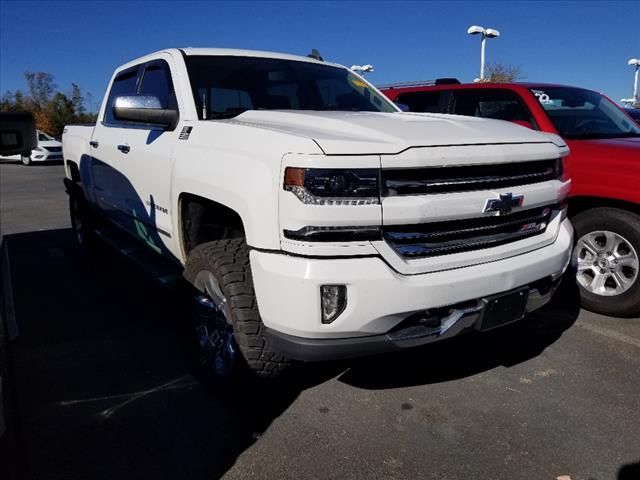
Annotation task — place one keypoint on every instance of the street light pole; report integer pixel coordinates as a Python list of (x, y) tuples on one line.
[(486, 33), (482, 49), (636, 63)]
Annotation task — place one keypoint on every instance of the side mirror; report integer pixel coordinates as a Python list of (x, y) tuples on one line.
[(402, 106), (144, 109), (17, 133)]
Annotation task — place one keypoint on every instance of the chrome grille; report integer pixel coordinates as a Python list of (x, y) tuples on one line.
[(455, 236), (420, 181)]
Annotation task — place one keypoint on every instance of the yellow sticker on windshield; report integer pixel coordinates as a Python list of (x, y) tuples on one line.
[(358, 83)]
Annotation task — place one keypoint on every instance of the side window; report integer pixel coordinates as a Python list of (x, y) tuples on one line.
[(496, 104), (124, 84), (156, 81), (423, 102)]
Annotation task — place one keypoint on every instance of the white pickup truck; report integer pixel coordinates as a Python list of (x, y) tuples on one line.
[(315, 219)]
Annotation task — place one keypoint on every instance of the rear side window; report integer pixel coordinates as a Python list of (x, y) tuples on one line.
[(496, 104), (424, 102), (124, 84), (156, 81)]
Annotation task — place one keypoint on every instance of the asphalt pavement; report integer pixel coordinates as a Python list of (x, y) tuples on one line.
[(105, 384)]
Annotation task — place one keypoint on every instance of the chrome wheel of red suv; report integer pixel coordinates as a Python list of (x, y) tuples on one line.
[(606, 260), (607, 263)]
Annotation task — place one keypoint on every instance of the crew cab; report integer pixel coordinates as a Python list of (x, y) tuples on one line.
[(604, 165), (313, 218)]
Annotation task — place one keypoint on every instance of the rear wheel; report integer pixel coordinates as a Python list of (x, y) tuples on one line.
[(81, 221), (225, 313), (26, 160), (607, 261)]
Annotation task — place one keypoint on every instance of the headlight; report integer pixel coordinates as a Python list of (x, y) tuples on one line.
[(333, 186), (560, 172)]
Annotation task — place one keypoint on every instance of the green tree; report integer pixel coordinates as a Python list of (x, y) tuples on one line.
[(60, 112)]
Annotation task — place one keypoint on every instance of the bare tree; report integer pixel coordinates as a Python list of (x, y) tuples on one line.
[(503, 73), (52, 109), (77, 100), (41, 88)]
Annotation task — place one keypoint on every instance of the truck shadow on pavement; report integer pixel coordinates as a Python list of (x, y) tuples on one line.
[(472, 353), (105, 376), (106, 382)]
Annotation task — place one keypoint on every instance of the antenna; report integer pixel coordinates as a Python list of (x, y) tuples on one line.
[(315, 54), (204, 104)]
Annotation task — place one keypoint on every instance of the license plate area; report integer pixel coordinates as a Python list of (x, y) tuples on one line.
[(504, 308)]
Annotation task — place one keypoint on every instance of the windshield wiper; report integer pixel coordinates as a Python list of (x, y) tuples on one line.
[(601, 136), (628, 135), (227, 114)]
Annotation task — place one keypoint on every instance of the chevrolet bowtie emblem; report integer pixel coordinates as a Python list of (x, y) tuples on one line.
[(504, 204)]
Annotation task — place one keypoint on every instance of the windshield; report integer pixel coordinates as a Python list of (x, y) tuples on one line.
[(583, 114), (43, 137), (633, 113), (224, 87)]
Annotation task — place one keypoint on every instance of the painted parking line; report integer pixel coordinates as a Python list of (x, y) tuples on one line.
[(605, 332)]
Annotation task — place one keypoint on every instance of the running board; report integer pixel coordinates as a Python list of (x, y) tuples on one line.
[(164, 271)]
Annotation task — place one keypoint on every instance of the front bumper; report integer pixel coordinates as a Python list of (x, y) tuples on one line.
[(453, 321), (45, 155), (380, 299)]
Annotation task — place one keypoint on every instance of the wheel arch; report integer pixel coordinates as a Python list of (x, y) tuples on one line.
[(72, 171), (581, 203), (204, 220)]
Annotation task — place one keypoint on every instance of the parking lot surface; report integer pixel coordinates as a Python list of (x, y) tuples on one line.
[(104, 383)]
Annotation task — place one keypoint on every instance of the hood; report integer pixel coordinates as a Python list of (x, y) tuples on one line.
[(344, 133), (611, 148), (49, 143)]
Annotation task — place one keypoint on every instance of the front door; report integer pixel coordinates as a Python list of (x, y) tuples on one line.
[(134, 174)]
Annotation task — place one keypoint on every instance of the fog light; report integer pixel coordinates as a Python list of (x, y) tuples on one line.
[(334, 301)]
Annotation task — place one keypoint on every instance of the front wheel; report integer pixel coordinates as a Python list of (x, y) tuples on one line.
[(26, 160), (225, 313), (606, 258)]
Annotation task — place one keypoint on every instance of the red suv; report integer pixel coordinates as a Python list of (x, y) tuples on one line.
[(604, 166)]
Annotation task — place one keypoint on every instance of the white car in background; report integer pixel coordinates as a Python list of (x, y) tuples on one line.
[(48, 149)]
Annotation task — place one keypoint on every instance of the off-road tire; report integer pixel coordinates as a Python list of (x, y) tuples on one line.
[(228, 261), (627, 225), (82, 220)]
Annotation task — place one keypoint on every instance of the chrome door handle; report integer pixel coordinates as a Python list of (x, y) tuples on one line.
[(124, 148), (94, 143)]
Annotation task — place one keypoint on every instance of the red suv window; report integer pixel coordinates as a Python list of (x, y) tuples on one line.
[(431, 102), (497, 104)]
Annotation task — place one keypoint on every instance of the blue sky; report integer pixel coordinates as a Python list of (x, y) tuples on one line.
[(583, 43)]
